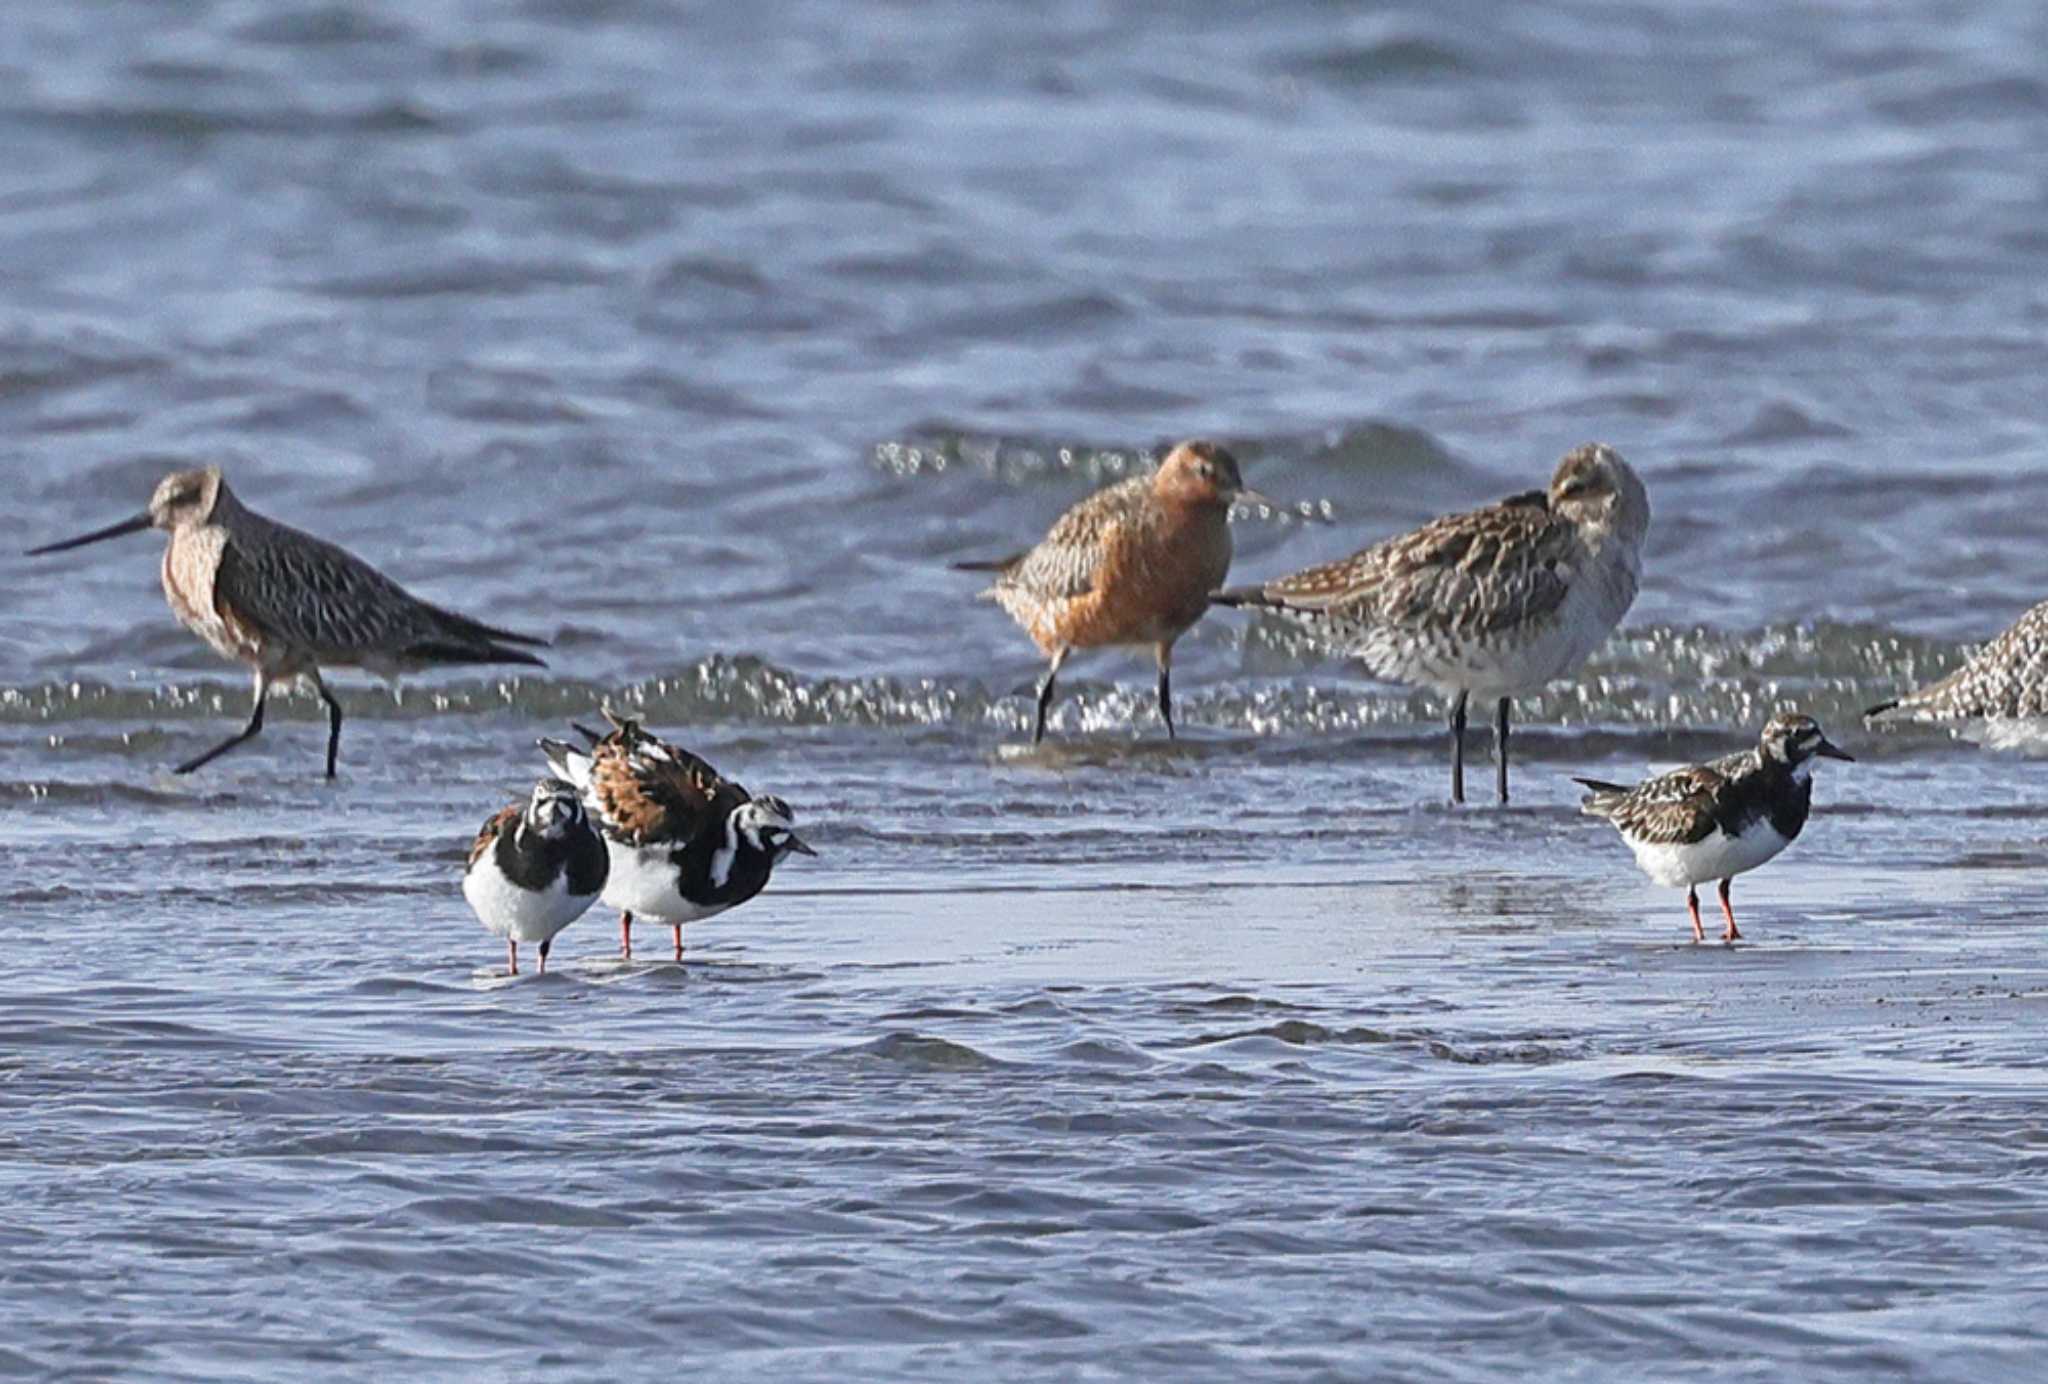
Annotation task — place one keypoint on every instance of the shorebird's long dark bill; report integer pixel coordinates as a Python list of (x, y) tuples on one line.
[(1828, 749), (796, 843), (135, 525), (1248, 496)]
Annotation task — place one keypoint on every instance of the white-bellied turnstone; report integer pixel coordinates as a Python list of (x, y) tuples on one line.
[(535, 869), (2007, 680), (285, 602), (1494, 603), (686, 843), (1132, 564), (1714, 821)]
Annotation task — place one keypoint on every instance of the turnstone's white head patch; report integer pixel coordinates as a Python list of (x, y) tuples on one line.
[(1793, 738), (555, 807), (770, 826)]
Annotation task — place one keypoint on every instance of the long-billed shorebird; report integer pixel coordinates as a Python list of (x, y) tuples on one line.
[(1714, 821), (1132, 564), (2007, 680), (1494, 603), (287, 603), (535, 868), (686, 843)]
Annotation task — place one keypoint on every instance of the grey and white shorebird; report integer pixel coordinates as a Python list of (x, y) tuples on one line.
[(1714, 821), (1494, 603), (1131, 565), (686, 842), (2006, 681), (287, 603), (535, 868)]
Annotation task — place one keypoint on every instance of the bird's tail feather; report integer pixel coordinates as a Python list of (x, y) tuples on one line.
[(477, 651), (1882, 707), (1603, 796)]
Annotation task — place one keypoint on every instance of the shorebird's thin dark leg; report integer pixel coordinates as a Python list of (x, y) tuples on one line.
[(1458, 748), (625, 934), (546, 942), (1165, 654), (1728, 912), (1692, 906), (333, 722), (512, 956), (1045, 695), (248, 732), (679, 943), (1500, 745)]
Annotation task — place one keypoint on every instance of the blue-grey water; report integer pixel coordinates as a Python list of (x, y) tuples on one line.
[(700, 339)]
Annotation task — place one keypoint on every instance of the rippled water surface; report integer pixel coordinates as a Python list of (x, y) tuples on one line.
[(701, 339)]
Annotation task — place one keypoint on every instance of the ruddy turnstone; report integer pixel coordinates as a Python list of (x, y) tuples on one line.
[(686, 843), (285, 602), (535, 869), (1132, 564), (1714, 821), (2007, 680), (1494, 603)]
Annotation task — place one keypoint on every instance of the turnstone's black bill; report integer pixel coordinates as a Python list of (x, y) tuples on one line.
[(1131, 564), (685, 842), (1495, 603), (535, 868), (287, 603), (1714, 821), (2007, 680)]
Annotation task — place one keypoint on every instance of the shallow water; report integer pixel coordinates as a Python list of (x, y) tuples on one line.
[(701, 342)]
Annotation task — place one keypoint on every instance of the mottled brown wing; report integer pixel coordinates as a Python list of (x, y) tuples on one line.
[(500, 821), (649, 790), (1672, 809), (1478, 571), (312, 594), (1067, 562)]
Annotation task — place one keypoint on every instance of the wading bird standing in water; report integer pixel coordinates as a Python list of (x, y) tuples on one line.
[(1496, 603), (1132, 564), (287, 603)]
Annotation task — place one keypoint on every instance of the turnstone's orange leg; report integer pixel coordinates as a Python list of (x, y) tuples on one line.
[(1728, 912), (1059, 659), (545, 944), (679, 943), (1458, 747), (1692, 906), (1164, 652), (625, 934), (1500, 744), (512, 955)]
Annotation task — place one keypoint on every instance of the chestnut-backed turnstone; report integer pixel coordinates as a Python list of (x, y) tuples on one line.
[(535, 869), (686, 843), (1132, 564), (1494, 603), (285, 602), (2007, 680), (1714, 821)]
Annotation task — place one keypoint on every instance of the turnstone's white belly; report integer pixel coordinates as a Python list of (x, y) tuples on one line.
[(646, 882), (1718, 856), (524, 915)]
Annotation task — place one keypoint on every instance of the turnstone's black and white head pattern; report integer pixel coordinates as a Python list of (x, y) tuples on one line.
[(1495, 603), (2000, 695), (685, 841), (1714, 821), (535, 868)]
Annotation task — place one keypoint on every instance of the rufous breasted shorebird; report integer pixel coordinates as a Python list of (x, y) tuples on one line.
[(686, 843), (1131, 565), (287, 603), (1714, 821), (535, 868), (1493, 603)]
